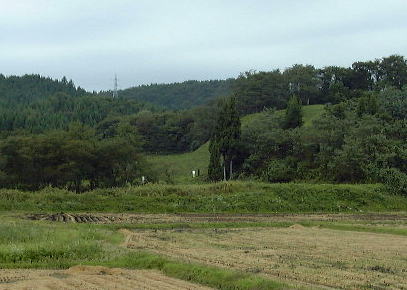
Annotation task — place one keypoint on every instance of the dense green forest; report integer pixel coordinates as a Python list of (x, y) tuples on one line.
[(35, 104), (54, 133), (178, 96)]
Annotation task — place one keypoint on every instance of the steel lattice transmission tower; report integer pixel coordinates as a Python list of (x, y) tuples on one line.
[(115, 93)]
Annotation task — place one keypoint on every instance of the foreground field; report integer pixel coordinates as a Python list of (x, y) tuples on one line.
[(233, 235), (224, 251), (91, 277)]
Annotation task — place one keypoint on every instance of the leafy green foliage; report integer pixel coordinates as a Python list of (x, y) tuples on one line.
[(69, 158), (360, 140), (174, 132), (256, 91)]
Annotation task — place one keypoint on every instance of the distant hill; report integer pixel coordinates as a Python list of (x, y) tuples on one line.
[(36, 104), (179, 96)]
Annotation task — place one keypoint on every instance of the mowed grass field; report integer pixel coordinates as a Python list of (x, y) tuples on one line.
[(221, 251), (296, 255), (177, 168)]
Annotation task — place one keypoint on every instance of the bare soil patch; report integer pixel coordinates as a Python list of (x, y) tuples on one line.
[(87, 277), (303, 256)]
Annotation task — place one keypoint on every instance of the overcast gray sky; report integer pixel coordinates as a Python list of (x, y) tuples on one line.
[(149, 41)]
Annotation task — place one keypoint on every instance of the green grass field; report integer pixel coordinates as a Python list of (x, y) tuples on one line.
[(176, 168)]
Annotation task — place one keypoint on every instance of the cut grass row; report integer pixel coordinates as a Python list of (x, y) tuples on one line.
[(229, 197)]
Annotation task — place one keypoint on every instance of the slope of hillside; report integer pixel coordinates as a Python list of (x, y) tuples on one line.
[(178, 167), (178, 96)]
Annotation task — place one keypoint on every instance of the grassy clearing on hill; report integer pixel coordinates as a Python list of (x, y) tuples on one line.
[(176, 168), (223, 197)]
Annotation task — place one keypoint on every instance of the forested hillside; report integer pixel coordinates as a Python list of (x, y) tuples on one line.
[(179, 96), (36, 104), (53, 133)]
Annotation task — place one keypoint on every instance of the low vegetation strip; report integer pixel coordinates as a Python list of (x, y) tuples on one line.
[(230, 197)]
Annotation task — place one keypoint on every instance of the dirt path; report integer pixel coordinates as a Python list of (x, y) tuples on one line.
[(319, 257), (87, 277)]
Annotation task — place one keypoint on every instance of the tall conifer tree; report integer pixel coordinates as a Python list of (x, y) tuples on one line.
[(225, 141), (293, 113)]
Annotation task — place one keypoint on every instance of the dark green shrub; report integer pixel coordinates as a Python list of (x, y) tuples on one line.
[(395, 180)]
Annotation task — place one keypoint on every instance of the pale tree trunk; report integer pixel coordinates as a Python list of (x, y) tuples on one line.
[(224, 168), (231, 170)]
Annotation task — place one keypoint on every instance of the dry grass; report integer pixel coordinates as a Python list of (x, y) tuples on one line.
[(87, 277), (303, 256)]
